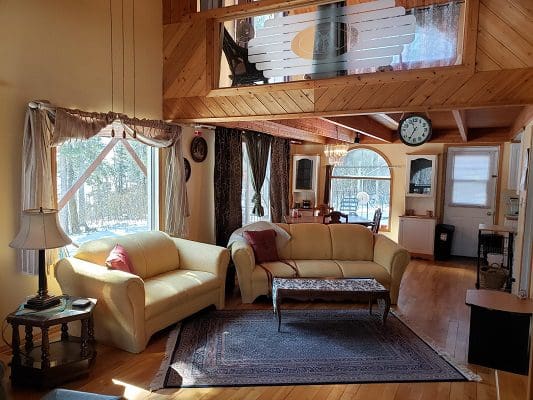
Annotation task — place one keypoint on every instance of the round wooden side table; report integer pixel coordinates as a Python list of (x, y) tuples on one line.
[(52, 363)]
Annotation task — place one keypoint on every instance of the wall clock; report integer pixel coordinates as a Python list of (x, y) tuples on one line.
[(198, 149), (414, 129)]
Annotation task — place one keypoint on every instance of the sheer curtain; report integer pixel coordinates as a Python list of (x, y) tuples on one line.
[(436, 38), (48, 126)]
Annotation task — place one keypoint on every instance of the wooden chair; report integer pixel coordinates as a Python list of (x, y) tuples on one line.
[(335, 218), (323, 209), (376, 221), (243, 72)]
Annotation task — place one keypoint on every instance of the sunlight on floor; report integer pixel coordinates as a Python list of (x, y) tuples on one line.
[(133, 392)]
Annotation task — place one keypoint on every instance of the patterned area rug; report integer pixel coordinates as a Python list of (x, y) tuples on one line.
[(243, 348)]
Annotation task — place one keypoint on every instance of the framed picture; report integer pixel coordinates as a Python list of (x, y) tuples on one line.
[(187, 166), (198, 149)]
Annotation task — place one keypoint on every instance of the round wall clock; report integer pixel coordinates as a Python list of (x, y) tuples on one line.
[(198, 149), (187, 167), (414, 130)]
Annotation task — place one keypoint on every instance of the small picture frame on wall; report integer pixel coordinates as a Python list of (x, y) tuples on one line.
[(198, 149), (187, 168)]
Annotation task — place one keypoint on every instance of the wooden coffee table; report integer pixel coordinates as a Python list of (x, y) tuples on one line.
[(344, 288)]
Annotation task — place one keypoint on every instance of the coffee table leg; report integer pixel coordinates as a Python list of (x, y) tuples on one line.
[(278, 312), (386, 308), (370, 303)]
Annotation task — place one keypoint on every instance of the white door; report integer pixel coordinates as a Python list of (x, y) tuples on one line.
[(470, 194)]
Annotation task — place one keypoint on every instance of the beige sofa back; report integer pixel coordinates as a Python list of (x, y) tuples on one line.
[(151, 253), (328, 242)]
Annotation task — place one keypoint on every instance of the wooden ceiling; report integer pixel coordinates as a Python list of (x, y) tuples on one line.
[(478, 101)]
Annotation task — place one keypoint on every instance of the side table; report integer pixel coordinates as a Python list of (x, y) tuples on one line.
[(50, 364)]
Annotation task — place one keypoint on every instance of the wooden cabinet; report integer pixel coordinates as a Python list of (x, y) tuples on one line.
[(417, 234)]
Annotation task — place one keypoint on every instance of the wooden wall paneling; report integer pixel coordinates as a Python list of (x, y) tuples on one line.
[(382, 95), (176, 10), (214, 52), (227, 106), (525, 116), (506, 34), (285, 101), (475, 83), (484, 62), (257, 105), (487, 92), (270, 103), (184, 65), (420, 96), (241, 105), (447, 89), (304, 98), (513, 82), (403, 92), (513, 15), (326, 97), (344, 95), (364, 93), (504, 58), (214, 107), (524, 6)]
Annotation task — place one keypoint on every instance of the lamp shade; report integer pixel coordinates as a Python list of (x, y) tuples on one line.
[(40, 229)]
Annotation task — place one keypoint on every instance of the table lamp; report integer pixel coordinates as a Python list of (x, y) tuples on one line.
[(40, 230)]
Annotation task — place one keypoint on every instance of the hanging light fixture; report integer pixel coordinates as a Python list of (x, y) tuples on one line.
[(335, 153)]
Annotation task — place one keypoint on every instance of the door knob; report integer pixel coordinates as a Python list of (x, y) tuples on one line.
[(489, 212)]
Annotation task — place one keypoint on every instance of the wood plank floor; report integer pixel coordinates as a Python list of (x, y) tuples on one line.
[(432, 298)]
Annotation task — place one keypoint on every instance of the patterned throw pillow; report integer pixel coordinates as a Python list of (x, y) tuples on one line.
[(118, 259), (264, 245)]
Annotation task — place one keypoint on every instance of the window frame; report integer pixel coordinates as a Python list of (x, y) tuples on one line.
[(382, 228), (153, 181)]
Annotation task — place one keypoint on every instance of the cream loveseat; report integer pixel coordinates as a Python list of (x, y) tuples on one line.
[(318, 250), (174, 279)]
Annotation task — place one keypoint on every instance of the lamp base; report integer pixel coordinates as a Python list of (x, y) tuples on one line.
[(41, 302)]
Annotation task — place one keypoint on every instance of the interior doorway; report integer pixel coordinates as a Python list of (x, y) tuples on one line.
[(470, 194)]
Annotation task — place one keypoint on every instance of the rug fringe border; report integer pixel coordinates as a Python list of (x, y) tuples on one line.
[(158, 382), (462, 368)]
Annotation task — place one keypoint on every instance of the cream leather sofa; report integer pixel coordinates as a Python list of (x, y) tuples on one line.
[(318, 250), (174, 279)]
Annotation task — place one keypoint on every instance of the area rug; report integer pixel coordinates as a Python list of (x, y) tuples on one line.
[(243, 348)]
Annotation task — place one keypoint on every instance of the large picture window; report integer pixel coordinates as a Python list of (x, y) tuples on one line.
[(106, 187), (361, 184)]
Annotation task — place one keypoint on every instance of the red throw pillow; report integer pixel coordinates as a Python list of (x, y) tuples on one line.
[(264, 245), (118, 259)]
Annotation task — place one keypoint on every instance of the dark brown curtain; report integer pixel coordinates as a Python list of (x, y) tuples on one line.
[(228, 183), (257, 147), (327, 183), (280, 158)]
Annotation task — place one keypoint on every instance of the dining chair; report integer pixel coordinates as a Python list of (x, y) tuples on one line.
[(376, 221), (335, 218)]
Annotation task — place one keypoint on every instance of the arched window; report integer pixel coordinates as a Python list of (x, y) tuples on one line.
[(361, 184)]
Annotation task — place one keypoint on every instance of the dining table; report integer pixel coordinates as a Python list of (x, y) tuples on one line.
[(308, 219)]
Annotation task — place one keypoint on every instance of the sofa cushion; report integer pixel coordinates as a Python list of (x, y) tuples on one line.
[(263, 244), (364, 269), (280, 269), (119, 259), (318, 269), (167, 290), (351, 242), (284, 248), (151, 253), (310, 242)]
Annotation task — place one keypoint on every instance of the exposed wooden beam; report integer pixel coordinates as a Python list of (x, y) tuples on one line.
[(460, 120), (276, 129), (476, 136), (322, 128), (525, 117), (364, 125), (386, 120)]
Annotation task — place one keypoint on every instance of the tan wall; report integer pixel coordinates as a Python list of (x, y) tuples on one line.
[(60, 50), (396, 155), (200, 189)]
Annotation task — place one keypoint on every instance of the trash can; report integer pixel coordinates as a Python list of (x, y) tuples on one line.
[(443, 241)]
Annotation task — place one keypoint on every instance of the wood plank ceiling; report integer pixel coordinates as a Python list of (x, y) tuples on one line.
[(476, 101)]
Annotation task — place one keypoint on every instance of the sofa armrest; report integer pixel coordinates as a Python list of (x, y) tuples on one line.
[(119, 313), (199, 256), (243, 257), (394, 258)]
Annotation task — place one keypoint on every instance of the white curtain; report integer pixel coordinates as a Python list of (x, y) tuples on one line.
[(47, 127)]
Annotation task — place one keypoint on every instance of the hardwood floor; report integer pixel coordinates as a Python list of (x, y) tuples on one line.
[(431, 298)]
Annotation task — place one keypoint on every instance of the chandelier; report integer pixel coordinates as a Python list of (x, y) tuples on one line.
[(335, 153)]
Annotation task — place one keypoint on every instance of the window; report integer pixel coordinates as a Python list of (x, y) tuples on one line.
[(248, 191), (361, 184), (471, 179), (106, 187)]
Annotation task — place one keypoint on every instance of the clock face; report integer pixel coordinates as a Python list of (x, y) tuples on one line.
[(414, 130)]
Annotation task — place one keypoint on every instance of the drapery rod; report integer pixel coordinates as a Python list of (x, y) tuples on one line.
[(49, 107)]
